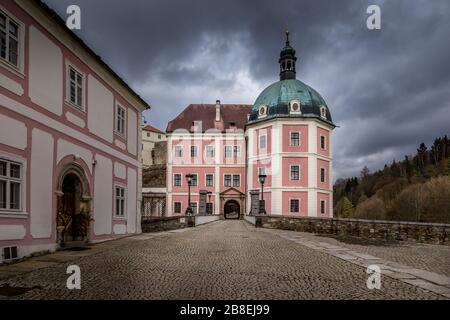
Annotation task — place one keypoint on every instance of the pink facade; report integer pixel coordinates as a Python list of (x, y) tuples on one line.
[(302, 164), (301, 196), (323, 138), (200, 172), (263, 165), (323, 174), (288, 143), (47, 140), (261, 135), (323, 202)]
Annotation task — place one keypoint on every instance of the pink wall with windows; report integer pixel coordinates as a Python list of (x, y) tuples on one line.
[(267, 165), (326, 134), (233, 142), (268, 200), (266, 131), (326, 165), (184, 202), (298, 161), (323, 197), (201, 178), (302, 196), (232, 171), (303, 132)]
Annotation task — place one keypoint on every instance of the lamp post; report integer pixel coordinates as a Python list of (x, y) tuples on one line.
[(209, 201), (262, 206), (189, 177)]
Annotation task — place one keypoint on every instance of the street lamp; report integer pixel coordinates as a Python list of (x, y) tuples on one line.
[(209, 201), (262, 205), (189, 178)]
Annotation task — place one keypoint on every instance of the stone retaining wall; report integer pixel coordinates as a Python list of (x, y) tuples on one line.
[(432, 233), (155, 224)]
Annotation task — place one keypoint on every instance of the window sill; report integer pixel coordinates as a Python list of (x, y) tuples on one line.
[(119, 218), (13, 215), (76, 108), (11, 68), (119, 135)]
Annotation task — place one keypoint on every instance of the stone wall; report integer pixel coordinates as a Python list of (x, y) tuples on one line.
[(166, 223), (432, 233), (159, 152)]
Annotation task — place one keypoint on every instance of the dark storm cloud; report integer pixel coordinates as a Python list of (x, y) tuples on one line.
[(388, 90)]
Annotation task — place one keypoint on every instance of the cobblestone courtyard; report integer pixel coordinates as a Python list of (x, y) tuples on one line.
[(232, 260)]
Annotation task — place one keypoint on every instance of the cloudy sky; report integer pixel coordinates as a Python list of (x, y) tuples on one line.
[(388, 90)]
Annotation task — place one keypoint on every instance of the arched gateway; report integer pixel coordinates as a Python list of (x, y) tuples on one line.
[(232, 209), (73, 204)]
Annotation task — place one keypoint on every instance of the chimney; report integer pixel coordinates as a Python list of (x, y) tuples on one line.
[(217, 110)]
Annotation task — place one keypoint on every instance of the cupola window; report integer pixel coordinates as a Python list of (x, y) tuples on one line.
[(262, 111), (323, 112), (295, 107)]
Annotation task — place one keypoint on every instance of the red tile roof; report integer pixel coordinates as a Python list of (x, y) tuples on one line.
[(151, 129), (206, 113)]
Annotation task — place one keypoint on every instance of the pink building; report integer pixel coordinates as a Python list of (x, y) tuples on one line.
[(285, 135), (69, 134)]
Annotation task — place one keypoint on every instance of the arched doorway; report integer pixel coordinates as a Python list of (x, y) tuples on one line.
[(73, 216), (232, 209)]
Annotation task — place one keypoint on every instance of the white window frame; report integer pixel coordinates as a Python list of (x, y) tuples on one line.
[(196, 151), (209, 154), (290, 205), (260, 141), (181, 179), (236, 152), (178, 147), (292, 111), (124, 119), (196, 179), (81, 108), (324, 206), (324, 175), (323, 112), (231, 180), (206, 179), (265, 108), (9, 179), (299, 139), (261, 170), (124, 199), (299, 172), (230, 155), (324, 142), (181, 207), (19, 68)]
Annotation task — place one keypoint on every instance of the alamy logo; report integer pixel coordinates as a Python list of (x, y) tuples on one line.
[(374, 280), (374, 20), (74, 280), (74, 19)]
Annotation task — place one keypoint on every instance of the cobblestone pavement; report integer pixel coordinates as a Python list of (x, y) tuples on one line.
[(221, 260)]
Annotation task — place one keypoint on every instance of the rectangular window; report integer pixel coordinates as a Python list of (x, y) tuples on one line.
[(9, 40), (120, 120), (228, 151), (227, 180), (295, 173), (178, 151), (159, 137), (193, 151), (295, 205), (322, 143), (177, 180), (236, 180), (75, 84), (10, 185), (194, 181), (322, 174), (194, 207), (209, 180), (177, 207), (209, 151), (236, 151), (120, 201), (295, 139), (262, 142), (322, 206)]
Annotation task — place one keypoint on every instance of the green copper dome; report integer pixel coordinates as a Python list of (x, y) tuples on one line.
[(289, 97)]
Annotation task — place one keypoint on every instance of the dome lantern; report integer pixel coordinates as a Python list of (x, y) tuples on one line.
[(287, 61)]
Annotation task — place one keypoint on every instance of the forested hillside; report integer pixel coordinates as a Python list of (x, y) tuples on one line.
[(415, 189)]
